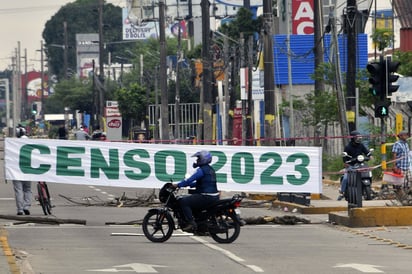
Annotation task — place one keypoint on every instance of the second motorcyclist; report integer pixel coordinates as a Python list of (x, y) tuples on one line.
[(354, 148)]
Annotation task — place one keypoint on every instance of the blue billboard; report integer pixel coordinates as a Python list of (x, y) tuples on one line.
[(303, 58)]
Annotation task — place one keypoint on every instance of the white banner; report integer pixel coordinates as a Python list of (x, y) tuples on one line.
[(249, 169)]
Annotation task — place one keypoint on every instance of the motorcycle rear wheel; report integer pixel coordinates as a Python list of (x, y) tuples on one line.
[(158, 226), (230, 226)]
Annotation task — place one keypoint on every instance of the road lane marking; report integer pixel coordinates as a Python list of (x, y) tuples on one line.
[(228, 254)]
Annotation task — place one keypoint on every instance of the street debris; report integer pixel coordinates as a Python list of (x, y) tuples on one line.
[(283, 220), (122, 201)]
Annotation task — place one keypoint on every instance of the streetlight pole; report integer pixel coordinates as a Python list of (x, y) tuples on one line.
[(269, 85), (101, 63), (207, 74), (41, 80), (65, 48), (164, 112)]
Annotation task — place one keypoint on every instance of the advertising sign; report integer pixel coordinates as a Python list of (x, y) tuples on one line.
[(87, 52), (250, 169), (302, 17)]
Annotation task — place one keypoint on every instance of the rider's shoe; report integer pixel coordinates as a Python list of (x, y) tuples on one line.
[(189, 227), (340, 197)]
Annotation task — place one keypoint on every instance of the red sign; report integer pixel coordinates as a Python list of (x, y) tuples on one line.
[(112, 112), (302, 17), (115, 123), (33, 85)]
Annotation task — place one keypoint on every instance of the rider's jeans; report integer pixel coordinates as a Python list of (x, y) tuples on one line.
[(345, 179), (195, 202)]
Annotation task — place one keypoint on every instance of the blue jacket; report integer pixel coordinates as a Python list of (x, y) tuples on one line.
[(204, 179)]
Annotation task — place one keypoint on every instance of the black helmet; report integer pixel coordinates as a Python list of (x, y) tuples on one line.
[(203, 158), (356, 136)]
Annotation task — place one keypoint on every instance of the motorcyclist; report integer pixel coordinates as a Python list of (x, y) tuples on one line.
[(354, 148), (204, 180)]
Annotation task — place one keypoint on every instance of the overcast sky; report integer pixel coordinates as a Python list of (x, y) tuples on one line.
[(24, 20)]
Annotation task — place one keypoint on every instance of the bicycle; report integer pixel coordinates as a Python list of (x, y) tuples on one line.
[(401, 190), (44, 197)]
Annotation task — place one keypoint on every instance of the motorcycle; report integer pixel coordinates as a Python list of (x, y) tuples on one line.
[(359, 163), (220, 220)]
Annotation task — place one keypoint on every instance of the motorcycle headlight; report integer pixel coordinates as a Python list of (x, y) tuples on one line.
[(360, 158)]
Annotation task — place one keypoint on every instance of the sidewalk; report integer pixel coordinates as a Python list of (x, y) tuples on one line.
[(372, 214)]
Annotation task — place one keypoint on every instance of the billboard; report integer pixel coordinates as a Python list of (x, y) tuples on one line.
[(142, 30), (87, 50), (302, 17)]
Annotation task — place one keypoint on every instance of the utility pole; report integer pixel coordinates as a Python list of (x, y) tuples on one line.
[(207, 73), (164, 109), (15, 92), (101, 62), (65, 50), (26, 107), (351, 11), (18, 83), (249, 124), (318, 36), (290, 85), (226, 87), (177, 97), (269, 84), (243, 76), (339, 89), (190, 15), (41, 80)]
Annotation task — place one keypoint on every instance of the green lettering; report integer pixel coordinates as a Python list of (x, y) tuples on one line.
[(301, 167), (129, 161), (98, 162), (248, 167), (267, 177), (64, 163), (25, 159), (221, 161), (163, 156)]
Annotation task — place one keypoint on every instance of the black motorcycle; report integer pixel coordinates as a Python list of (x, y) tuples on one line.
[(219, 221), (359, 163)]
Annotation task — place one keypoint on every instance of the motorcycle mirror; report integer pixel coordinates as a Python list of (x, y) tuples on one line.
[(344, 154)]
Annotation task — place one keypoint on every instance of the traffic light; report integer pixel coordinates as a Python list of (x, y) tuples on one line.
[(34, 108), (391, 67), (382, 109), (377, 78)]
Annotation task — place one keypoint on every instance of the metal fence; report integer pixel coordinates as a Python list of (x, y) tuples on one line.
[(188, 119)]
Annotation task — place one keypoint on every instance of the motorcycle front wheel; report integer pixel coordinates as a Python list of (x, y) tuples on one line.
[(158, 226), (229, 226), (367, 191)]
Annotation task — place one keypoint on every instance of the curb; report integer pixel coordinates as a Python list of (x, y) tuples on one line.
[(308, 209), (373, 216), (8, 253)]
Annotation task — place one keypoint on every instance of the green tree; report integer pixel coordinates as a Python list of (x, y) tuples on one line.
[(243, 23), (382, 38), (81, 17), (149, 49), (71, 93), (132, 102), (405, 58)]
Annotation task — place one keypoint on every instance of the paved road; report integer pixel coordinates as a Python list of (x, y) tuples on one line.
[(95, 248), (99, 248)]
